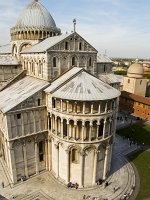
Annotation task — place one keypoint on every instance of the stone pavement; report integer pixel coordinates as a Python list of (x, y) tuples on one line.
[(45, 187)]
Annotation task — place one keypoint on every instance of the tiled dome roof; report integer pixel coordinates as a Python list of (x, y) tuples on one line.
[(136, 70)]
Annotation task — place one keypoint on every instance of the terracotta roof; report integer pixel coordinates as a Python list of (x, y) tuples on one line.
[(144, 100)]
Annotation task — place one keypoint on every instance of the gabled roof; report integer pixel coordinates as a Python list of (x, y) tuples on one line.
[(19, 92), (46, 44), (102, 58), (50, 42), (8, 60), (5, 49), (62, 79), (111, 78), (81, 86)]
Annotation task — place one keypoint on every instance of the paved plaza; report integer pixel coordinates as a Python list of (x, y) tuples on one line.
[(45, 187)]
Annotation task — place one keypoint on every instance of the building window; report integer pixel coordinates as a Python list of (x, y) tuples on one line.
[(104, 68), (73, 61), (54, 103), (19, 116), (90, 62), (80, 46), (39, 102), (40, 68), (128, 80), (75, 155), (66, 45), (54, 62), (41, 151)]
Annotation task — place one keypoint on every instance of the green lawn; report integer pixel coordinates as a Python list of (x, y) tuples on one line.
[(142, 162), (141, 133)]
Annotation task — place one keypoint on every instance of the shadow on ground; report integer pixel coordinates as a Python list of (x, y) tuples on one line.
[(2, 198)]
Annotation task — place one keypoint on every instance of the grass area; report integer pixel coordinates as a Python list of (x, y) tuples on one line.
[(139, 132), (142, 162)]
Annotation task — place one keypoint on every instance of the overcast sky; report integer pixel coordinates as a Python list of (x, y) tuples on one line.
[(119, 26)]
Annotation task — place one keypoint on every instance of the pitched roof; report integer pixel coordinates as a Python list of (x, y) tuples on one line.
[(111, 78), (46, 44), (8, 60), (134, 97), (102, 58), (20, 91), (82, 86), (5, 49)]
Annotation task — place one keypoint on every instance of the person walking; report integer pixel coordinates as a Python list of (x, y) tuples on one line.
[(3, 184)]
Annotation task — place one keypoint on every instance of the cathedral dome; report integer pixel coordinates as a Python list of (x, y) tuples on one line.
[(35, 15), (135, 70), (35, 22)]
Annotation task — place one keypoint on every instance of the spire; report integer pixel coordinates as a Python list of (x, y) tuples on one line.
[(33, 1), (74, 22)]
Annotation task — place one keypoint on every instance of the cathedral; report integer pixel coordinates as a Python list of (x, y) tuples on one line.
[(55, 113)]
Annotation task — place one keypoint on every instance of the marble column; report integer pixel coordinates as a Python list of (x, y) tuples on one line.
[(91, 108), (95, 167), (83, 130), (105, 163), (110, 127), (83, 108), (36, 158), (67, 106), (62, 134), (90, 131), (104, 128), (99, 108), (46, 154), (74, 130), (57, 148), (12, 163), (67, 129), (25, 159), (56, 128), (61, 105), (82, 169), (68, 166), (75, 107), (49, 155), (59, 65), (98, 124), (106, 107)]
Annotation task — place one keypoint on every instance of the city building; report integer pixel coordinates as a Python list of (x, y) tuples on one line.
[(135, 97), (55, 114)]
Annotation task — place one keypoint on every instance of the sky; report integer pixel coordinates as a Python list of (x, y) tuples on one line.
[(119, 27)]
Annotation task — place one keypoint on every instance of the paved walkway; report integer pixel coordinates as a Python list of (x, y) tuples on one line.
[(45, 187)]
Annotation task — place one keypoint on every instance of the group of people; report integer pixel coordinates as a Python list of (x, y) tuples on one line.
[(72, 185)]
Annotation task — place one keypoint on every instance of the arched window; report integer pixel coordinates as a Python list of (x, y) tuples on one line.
[(40, 68), (41, 151), (80, 46), (66, 45), (74, 155), (90, 61), (140, 82), (73, 61), (54, 62)]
